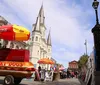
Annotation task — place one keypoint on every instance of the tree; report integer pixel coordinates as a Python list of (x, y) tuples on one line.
[(82, 61)]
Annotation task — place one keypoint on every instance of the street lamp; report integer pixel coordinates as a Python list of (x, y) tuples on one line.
[(95, 6), (96, 34)]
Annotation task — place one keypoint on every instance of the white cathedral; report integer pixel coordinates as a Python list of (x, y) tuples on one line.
[(41, 47)]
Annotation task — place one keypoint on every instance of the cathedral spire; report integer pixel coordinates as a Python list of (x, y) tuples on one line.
[(41, 14), (37, 25), (49, 39), (40, 20)]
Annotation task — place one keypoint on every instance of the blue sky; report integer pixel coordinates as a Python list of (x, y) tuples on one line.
[(70, 22)]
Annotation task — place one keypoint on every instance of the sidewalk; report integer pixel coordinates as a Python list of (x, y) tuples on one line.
[(81, 82)]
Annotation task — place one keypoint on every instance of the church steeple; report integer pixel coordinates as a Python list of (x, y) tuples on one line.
[(37, 25), (41, 15), (49, 39)]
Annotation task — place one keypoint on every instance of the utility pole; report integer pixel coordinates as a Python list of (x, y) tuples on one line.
[(85, 46)]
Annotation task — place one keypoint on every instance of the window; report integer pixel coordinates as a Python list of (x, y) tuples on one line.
[(32, 38), (11, 45), (48, 50), (36, 38), (38, 52), (5, 42), (17, 47)]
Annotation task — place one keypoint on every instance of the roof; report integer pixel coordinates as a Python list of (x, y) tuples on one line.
[(74, 61), (49, 39)]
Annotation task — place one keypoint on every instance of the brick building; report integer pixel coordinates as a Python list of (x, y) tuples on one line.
[(73, 66)]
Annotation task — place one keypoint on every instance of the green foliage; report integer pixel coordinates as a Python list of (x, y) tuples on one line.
[(83, 60)]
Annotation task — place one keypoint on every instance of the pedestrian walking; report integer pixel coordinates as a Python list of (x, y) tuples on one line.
[(42, 72), (68, 74), (39, 69), (76, 74), (72, 74)]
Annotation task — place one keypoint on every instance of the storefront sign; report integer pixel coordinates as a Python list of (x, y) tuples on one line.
[(11, 64)]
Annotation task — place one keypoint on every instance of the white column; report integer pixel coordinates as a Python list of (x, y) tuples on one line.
[(41, 54)]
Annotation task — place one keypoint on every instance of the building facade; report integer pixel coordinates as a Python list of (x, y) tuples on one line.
[(10, 44), (41, 47), (73, 65)]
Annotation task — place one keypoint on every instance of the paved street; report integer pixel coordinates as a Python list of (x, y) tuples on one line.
[(60, 82)]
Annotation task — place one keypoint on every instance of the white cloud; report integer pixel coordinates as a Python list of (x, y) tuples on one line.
[(69, 25)]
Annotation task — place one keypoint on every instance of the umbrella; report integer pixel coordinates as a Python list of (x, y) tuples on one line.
[(61, 68), (14, 32), (45, 61), (51, 62)]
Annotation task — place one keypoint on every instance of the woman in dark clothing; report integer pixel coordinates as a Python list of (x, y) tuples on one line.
[(39, 69), (76, 74), (68, 74)]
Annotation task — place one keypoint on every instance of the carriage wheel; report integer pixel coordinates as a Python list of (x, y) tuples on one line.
[(9, 80)]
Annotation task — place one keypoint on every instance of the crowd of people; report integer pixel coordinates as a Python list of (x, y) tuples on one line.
[(44, 74), (68, 74), (71, 74)]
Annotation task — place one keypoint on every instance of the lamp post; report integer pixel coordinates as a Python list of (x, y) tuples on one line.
[(85, 46), (96, 34)]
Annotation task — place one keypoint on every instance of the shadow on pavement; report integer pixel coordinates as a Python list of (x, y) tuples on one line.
[(1, 83)]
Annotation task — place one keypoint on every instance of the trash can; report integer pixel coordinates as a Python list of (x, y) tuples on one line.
[(56, 76)]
